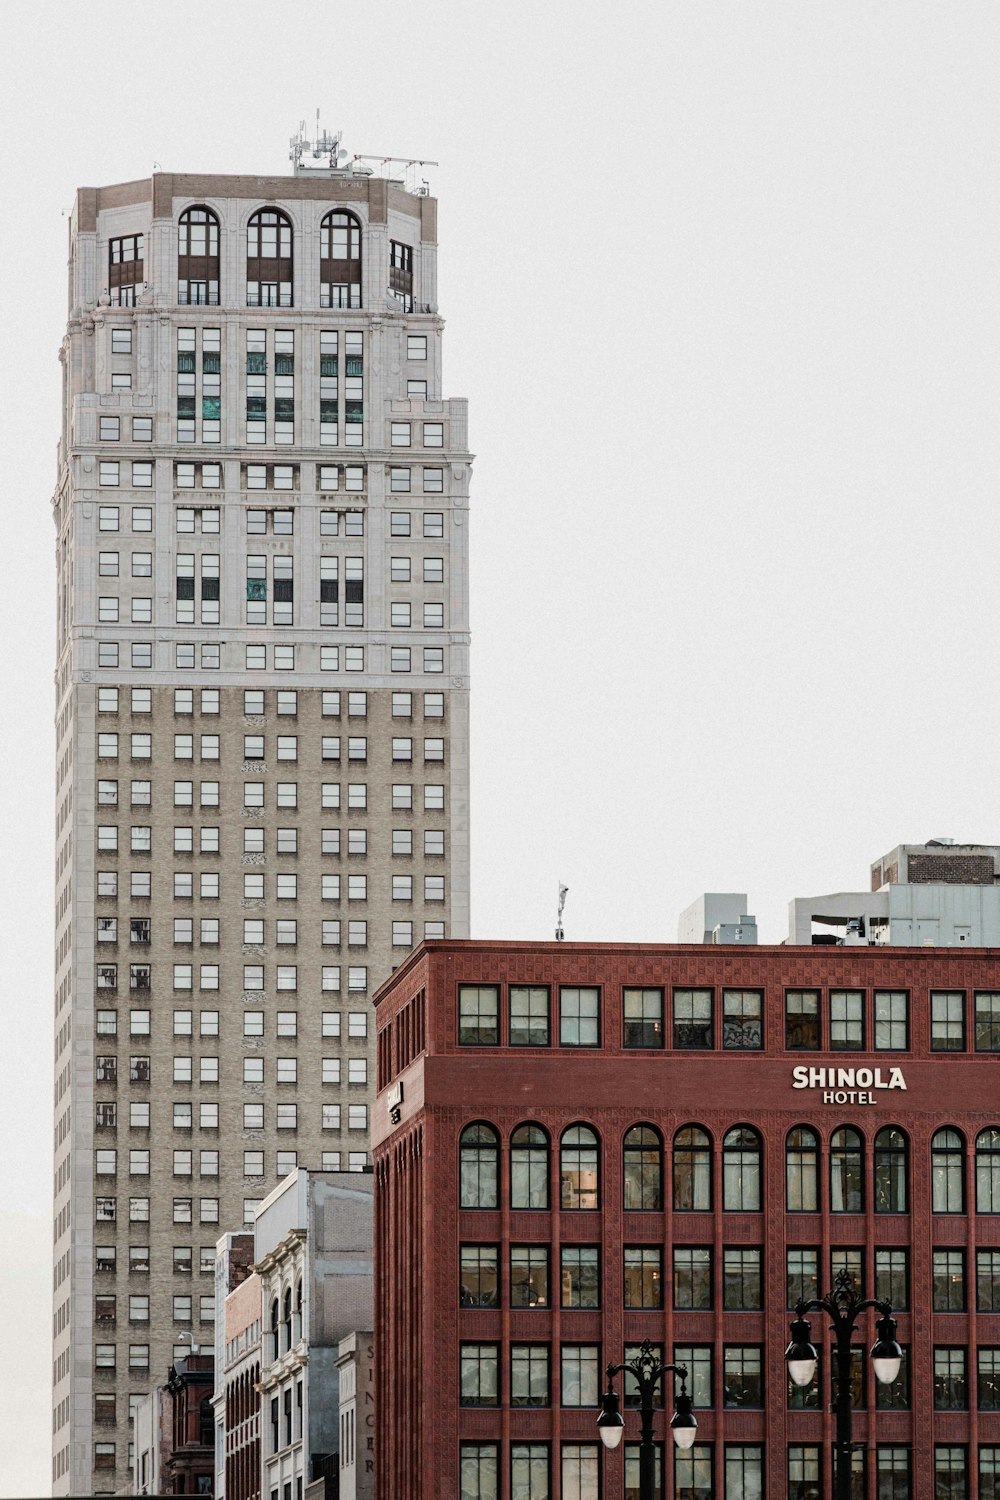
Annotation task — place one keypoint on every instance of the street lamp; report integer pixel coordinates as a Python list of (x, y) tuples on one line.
[(843, 1309), (647, 1368)]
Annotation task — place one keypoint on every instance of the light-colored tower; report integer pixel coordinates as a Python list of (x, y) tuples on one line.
[(262, 720)]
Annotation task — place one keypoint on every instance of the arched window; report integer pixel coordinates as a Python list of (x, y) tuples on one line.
[(297, 1329), (802, 1171), (340, 261), (529, 1167), (578, 1168), (692, 1170), (988, 1171), (479, 1153), (741, 1170), (846, 1172), (890, 1171), (198, 258), (269, 259), (947, 1172), (643, 1168), (288, 1318), (275, 1325)]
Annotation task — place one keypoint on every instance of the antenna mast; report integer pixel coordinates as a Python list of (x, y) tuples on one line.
[(560, 934)]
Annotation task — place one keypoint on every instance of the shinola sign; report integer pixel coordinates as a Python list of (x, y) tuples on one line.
[(848, 1085)]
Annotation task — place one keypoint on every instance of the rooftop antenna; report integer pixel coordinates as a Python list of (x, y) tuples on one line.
[(560, 934)]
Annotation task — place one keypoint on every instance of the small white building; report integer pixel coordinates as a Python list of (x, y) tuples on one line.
[(356, 1369), (313, 1253)]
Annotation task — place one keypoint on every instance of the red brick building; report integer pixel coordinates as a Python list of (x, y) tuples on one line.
[(578, 1147)]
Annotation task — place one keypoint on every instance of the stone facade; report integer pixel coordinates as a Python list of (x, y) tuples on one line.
[(262, 724)]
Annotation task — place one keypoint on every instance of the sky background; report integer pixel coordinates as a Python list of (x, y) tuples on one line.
[(721, 287)]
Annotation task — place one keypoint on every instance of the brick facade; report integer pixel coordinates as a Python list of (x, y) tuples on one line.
[(444, 1087)]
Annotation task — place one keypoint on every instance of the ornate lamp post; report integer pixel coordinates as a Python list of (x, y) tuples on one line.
[(843, 1309), (647, 1369)]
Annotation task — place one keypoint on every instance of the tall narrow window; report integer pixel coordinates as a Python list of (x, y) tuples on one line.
[(847, 1020), (643, 1168), (329, 389), (125, 268), (987, 1021), (284, 385), (947, 1172), (479, 1154), (354, 389), (340, 261), (846, 1172), (988, 1171), (401, 274), (892, 1020), (947, 1021), (801, 1019), (578, 1168), (256, 386), (802, 1171), (529, 1167), (269, 259), (692, 1170), (693, 1018), (198, 258), (890, 1171), (642, 1013), (529, 1015), (741, 1174), (742, 1019)]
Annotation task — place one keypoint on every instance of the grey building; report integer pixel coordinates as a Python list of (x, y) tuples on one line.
[(262, 797), (938, 894)]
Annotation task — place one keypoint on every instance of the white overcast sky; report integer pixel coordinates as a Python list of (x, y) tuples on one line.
[(721, 286)]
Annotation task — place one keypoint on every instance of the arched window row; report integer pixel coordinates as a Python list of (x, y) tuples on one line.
[(270, 241), (645, 1180), (579, 1168)]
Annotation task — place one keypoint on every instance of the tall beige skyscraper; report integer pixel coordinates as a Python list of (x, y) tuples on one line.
[(262, 718)]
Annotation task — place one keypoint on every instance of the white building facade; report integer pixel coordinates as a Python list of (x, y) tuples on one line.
[(262, 722)]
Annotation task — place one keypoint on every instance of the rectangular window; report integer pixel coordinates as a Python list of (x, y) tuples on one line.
[(479, 1364), (802, 1019), (891, 1020), (987, 1021), (741, 1280), (744, 1472), (529, 1375), (692, 1277), (742, 1375), (988, 1379), (988, 1280), (478, 1015), (947, 1021), (693, 1019), (742, 1019), (950, 1380), (529, 1276), (581, 1375), (643, 1276), (948, 1281), (579, 1017), (951, 1477), (801, 1275), (847, 1026), (892, 1469), (529, 1015), (479, 1276), (892, 1278), (642, 1018), (479, 1471), (579, 1276), (803, 1472), (697, 1360)]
